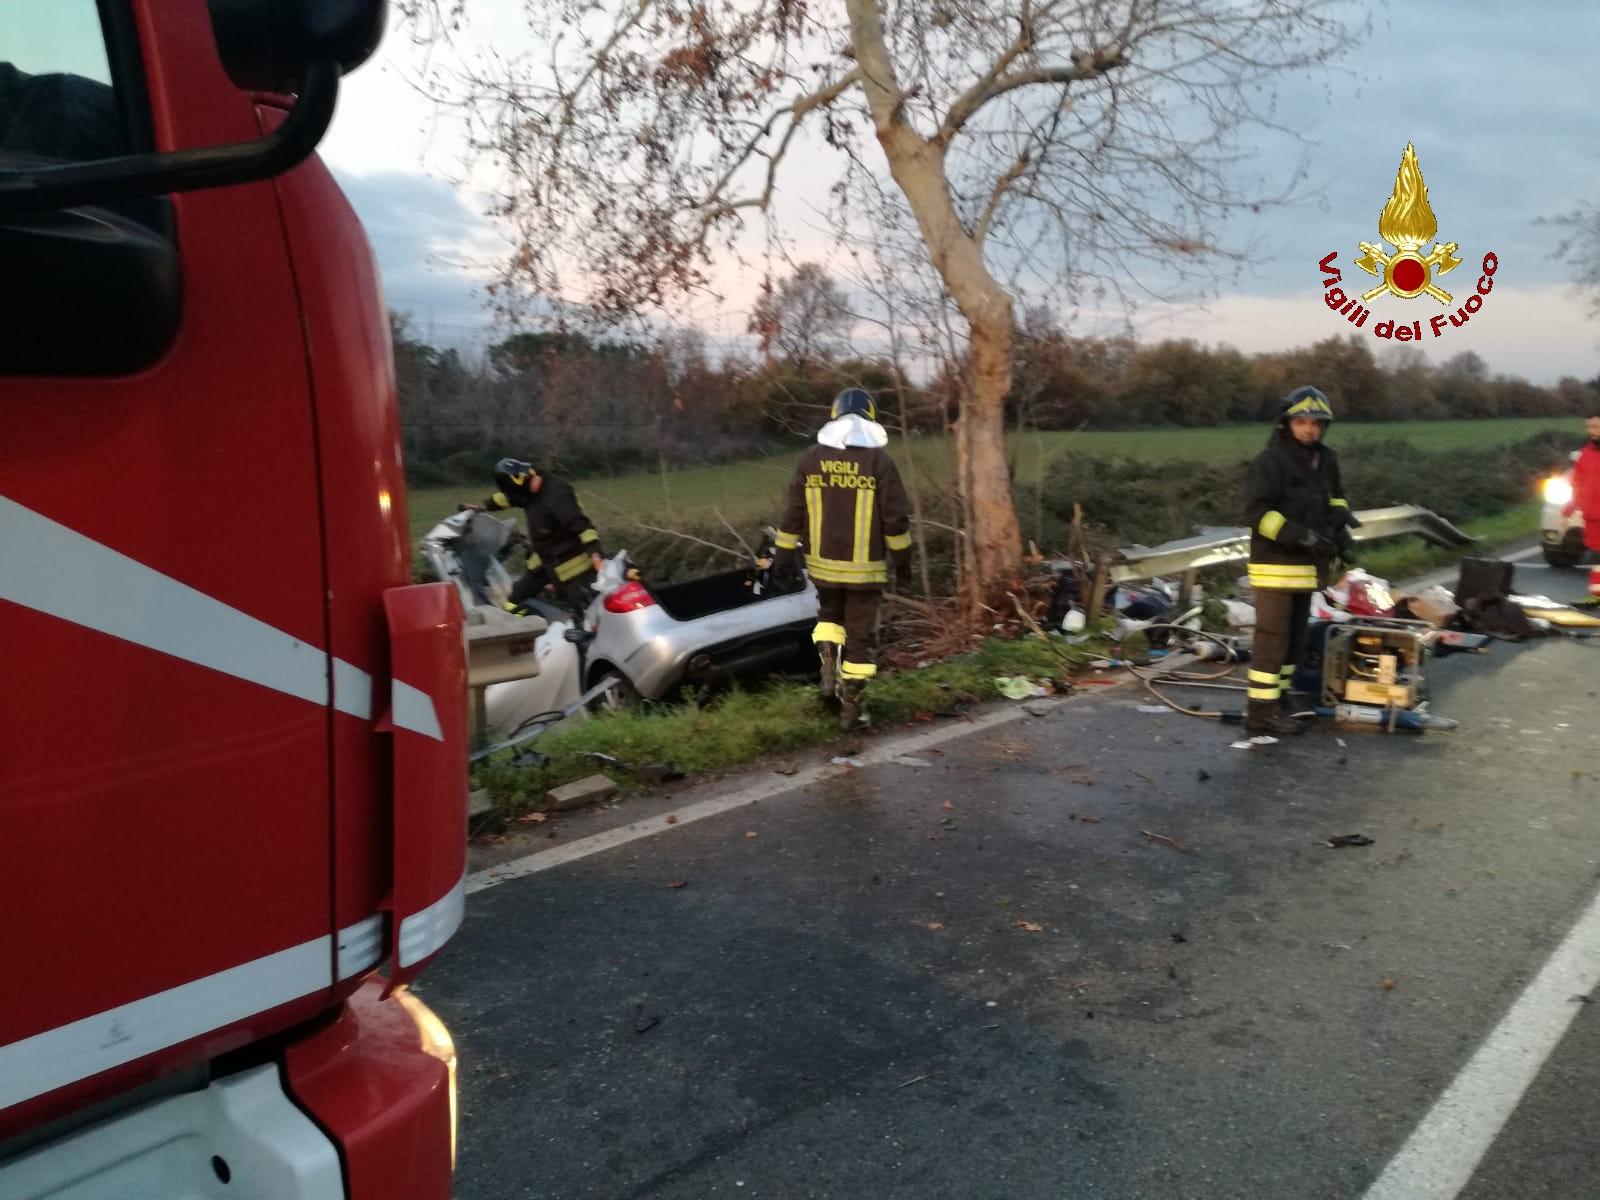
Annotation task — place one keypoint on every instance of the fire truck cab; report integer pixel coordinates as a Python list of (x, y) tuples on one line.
[(232, 731)]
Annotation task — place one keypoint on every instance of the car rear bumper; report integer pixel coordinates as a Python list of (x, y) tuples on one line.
[(655, 651)]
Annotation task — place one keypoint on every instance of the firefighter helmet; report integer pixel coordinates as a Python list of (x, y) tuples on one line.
[(854, 400), (512, 477), (1305, 402)]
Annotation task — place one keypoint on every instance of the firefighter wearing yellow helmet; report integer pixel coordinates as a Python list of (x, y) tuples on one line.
[(1300, 523)]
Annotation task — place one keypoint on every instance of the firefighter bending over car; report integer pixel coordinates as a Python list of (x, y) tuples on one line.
[(1299, 523), (564, 547), (847, 506)]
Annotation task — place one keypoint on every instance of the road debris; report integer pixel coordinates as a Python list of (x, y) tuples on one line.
[(1203, 775), (1085, 818), (751, 833), (786, 769), (678, 883), (1388, 985), (918, 1079), (1027, 926), (1177, 937), (907, 760), (842, 761), (935, 925), (1165, 840), (584, 791), (1157, 709), (533, 818), (1019, 687), (656, 773), (1252, 743), (1347, 839), (672, 818)]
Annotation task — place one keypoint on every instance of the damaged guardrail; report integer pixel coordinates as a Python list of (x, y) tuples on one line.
[(1217, 546)]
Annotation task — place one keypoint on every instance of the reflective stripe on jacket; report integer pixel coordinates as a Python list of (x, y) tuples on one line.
[(849, 509), (562, 537), (1291, 493)]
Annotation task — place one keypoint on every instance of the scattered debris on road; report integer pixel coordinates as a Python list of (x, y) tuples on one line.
[(588, 790), (1388, 985), (918, 1079), (1347, 839), (1166, 841), (786, 769), (678, 883), (1027, 926), (842, 761)]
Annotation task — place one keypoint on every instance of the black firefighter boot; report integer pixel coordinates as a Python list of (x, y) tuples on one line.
[(828, 653), (1262, 716), (852, 705)]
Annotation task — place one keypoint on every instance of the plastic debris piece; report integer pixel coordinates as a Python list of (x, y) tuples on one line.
[(1019, 687), (841, 761), (1348, 839)]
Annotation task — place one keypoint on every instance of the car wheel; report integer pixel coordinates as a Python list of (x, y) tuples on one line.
[(1569, 553), (621, 695)]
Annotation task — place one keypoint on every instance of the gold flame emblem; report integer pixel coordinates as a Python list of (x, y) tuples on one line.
[(1407, 221)]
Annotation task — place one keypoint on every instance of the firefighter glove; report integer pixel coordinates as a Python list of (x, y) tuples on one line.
[(902, 571), (785, 568), (1319, 545)]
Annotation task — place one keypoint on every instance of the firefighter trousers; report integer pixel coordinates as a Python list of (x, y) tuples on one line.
[(848, 617), (573, 595), (1281, 619)]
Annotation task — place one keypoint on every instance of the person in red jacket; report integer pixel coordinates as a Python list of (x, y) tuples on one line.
[(1586, 499)]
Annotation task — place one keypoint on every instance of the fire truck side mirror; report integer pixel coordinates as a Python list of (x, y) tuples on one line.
[(266, 44), (301, 48)]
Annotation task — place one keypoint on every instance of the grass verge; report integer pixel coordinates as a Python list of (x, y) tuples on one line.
[(743, 727)]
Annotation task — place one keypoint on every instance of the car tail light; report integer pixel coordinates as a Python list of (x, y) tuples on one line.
[(630, 597)]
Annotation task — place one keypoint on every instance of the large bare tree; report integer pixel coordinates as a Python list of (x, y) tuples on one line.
[(1063, 144)]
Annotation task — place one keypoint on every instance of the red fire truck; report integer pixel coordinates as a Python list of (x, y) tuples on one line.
[(232, 743)]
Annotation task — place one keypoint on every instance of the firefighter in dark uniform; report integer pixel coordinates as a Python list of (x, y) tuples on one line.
[(564, 545), (1299, 523), (847, 506)]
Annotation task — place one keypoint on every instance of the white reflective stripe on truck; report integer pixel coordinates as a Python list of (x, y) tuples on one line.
[(67, 1053), (58, 571), (423, 933)]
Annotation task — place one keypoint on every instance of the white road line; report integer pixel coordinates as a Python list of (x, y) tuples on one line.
[(882, 752), (1444, 1150)]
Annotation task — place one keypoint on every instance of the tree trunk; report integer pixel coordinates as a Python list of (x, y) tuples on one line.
[(994, 539)]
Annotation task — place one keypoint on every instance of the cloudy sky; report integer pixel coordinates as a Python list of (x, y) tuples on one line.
[(1501, 103)]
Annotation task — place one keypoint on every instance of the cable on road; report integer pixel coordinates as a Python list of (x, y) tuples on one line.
[(1219, 676)]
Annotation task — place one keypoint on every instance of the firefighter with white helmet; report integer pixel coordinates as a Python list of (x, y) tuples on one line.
[(847, 506)]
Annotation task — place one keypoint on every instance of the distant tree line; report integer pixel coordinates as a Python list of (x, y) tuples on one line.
[(589, 405)]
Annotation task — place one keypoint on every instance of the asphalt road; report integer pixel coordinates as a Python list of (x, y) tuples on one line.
[(980, 978)]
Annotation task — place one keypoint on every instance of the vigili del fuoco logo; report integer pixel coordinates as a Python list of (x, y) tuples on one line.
[(1407, 223)]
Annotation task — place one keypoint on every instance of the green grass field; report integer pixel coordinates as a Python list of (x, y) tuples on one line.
[(748, 492)]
